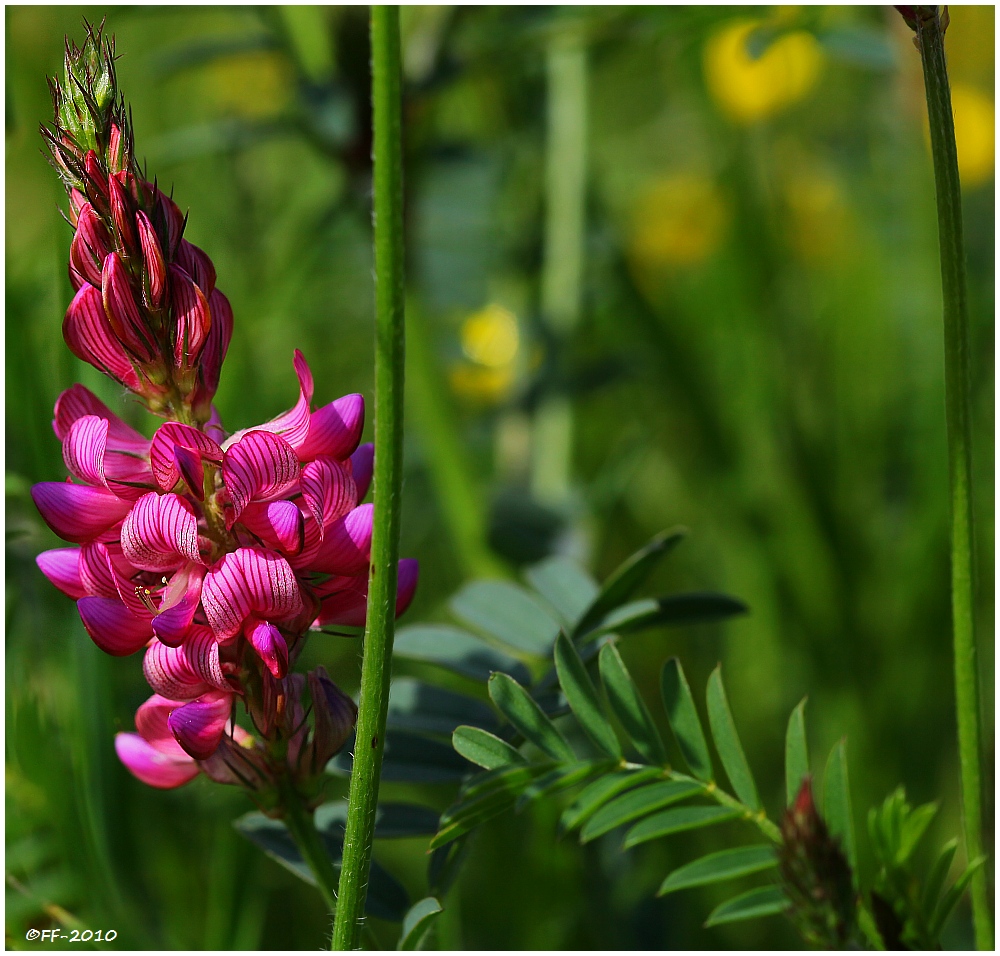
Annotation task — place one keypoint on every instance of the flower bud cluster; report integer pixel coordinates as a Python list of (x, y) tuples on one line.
[(213, 553)]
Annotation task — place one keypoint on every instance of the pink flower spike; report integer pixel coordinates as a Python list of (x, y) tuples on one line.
[(269, 645), (346, 546), (249, 580), (174, 452), (160, 532), (123, 314), (62, 567), (78, 401), (197, 265), (362, 466), (78, 513), (151, 766), (177, 609), (328, 491), (260, 465), (334, 429), (112, 627), (192, 315), (198, 726), (89, 336), (90, 247), (154, 269)]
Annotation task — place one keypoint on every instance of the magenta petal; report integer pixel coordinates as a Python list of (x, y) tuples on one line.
[(78, 513), (159, 532), (84, 447), (113, 628), (249, 580), (347, 607), (286, 523), (167, 469), (328, 490), (62, 567), (334, 429), (188, 671), (180, 601), (362, 465), (407, 573), (198, 726), (347, 544), (88, 334), (197, 265), (96, 571), (78, 401), (259, 465), (152, 767), (151, 720), (269, 645)]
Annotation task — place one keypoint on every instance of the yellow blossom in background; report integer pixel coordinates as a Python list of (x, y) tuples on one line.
[(255, 84), (491, 341), (818, 213), (974, 136), (679, 220), (750, 89)]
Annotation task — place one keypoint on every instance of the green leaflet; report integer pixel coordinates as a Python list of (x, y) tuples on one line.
[(417, 922), (937, 876), (674, 610), (597, 793), (509, 613), (629, 707), (837, 802), (628, 576), (455, 650), (727, 742), (763, 901), (565, 585), (559, 779), (582, 696), (484, 749), (950, 899), (684, 720), (724, 865), (637, 803), (676, 821), (424, 708), (516, 704), (796, 753), (515, 777)]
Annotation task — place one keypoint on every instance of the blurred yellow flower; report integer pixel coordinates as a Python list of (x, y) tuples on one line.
[(750, 89), (679, 220), (490, 341), (974, 135), (818, 213)]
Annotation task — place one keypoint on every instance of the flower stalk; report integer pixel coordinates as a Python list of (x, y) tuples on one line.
[(929, 27), (389, 367), (300, 824)]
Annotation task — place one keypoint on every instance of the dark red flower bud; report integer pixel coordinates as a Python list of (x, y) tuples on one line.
[(214, 352), (123, 314), (90, 338), (334, 715), (169, 223), (91, 245), (96, 183), (76, 203), (154, 270), (192, 317), (122, 214), (197, 265), (117, 150)]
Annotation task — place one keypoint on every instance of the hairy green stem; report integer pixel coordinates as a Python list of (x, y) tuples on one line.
[(389, 363), (930, 35), (300, 824)]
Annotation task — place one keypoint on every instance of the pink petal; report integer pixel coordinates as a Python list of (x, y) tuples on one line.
[(407, 574), (84, 447), (91, 244), (96, 571), (269, 645), (198, 726), (88, 334), (180, 601), (112, 627), (347, 603), (362, 465), (347, 544), (192, 315), (62, 567), (167, 468), (152, 722), (249, 580), (188, 671), (159, 532), (279, 524), (78, 401), (334, 429), (151, 766), (328, 490), (259, 465), (78, 513)]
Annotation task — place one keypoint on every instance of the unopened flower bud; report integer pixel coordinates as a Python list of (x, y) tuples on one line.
[(334, 716), (192, 318), (96, 183), (154, 270), (122, 214), (123, 314), (197, 265), (91, 245)]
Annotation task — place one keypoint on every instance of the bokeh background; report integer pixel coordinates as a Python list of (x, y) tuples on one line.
[(752, 348)]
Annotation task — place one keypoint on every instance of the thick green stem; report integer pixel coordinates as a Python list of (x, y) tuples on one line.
[(389, 359), (300, 824), (930, 36)]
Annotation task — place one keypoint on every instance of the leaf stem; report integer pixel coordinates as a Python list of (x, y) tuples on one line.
[(930, 36), (389, 359), (303, 830), (711, 790)]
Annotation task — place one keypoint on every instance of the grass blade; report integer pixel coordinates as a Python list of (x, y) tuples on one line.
[(763, 901), (484, 749), (517, 706), (796, 753), (724, 865), (837, 802), (629, 707), (676, 821), (727, 742), (637, 803), (684, 722), (582, 696)]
